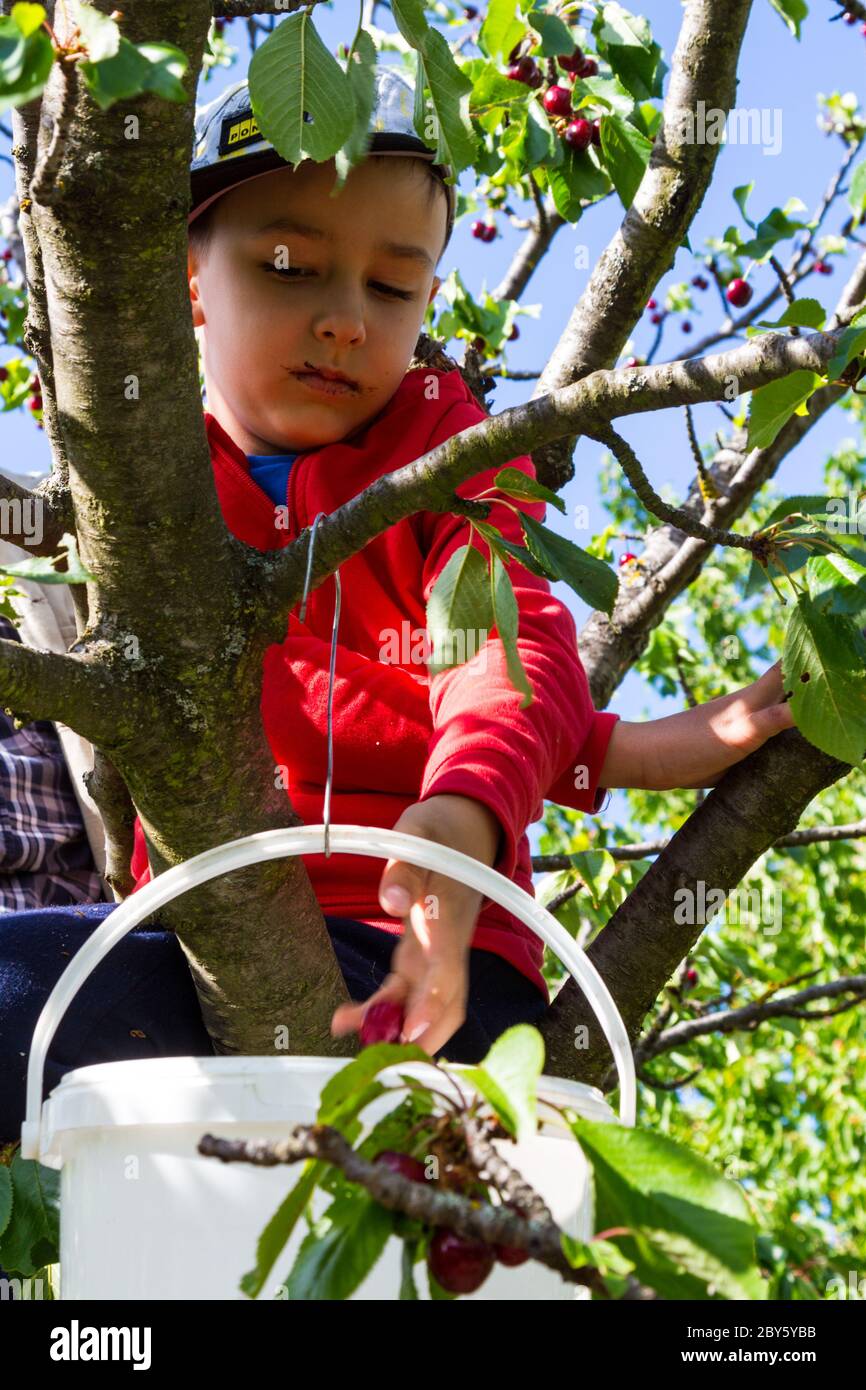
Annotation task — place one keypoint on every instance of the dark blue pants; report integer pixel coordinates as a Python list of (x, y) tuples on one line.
[(140, 1000)]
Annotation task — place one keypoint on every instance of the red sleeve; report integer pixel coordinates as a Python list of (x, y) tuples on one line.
[(578, 786), (484, 746)]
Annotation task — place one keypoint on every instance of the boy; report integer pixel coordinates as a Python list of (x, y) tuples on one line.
[(310, 308)]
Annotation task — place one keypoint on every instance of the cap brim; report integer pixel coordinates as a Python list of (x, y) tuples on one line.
[(206, 183)]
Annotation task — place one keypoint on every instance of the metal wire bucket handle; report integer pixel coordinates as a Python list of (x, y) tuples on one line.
[(369, 841)]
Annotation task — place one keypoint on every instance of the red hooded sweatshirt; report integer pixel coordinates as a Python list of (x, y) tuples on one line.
[(400, 736)]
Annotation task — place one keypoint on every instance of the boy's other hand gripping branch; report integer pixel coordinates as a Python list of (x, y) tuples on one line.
[(430, 965), (696, 747)]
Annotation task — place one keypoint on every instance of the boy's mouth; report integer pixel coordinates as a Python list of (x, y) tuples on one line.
[(326, 381)]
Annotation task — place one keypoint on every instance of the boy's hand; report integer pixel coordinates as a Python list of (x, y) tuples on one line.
[(695, 748), (430, 965)]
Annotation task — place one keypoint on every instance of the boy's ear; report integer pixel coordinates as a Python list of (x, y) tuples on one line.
[(194, 294)]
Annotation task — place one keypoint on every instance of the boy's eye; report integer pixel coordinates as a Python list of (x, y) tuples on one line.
[(291, 272)]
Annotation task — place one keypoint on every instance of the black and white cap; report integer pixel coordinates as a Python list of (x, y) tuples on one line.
[(230, 149)]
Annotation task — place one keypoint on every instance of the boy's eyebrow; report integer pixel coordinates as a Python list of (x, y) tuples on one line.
[(404, 250)]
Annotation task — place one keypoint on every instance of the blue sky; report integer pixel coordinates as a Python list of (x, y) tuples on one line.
[(777, 73)]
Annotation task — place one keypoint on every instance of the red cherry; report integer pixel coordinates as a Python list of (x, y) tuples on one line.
[(596, 131), (459, 1265), (692, 976), (489, 233), (627, 558), (578, 135), (739, 293), (511, 1255), (515, 333), (863, 31), (4, 374), (470, 12), (219, 25), (651, 304), (823, 267), (7, 254), (557, 101), (588, 68), (686, 326), (657, 319), (478, 230), (571, 62), (524, 70), (382, 1023), (479, 344), (632, 362), (849, 18), (34, 404), (404, 1164), (701, 283)]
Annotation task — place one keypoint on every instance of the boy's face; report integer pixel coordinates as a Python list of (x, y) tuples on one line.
[(276, 300)]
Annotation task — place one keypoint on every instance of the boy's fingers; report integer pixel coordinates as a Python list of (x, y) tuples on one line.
[(347, 1018), (771, 720), (437, 1008), (400, 886)]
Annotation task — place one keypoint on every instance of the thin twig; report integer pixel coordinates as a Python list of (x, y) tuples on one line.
[(45, 187), (814, 835)]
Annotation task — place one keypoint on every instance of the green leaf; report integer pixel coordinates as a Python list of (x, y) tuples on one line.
[(857, 189), (450, 90), (692, 1226), (776, 227), (773, 405), (5, 1197), (793, 12), (275, 1236), (506, 616), (355, 1076), (597, 868), (291, 73), (508, 1078), (40, 568), (591, 579), (502, 547), (32, 1237), (626, 41), (100, 34), (167, 66), (741, 197), (556, 37), (824, 665), (501, 29), (459, 610), (837, 584), (341, 1249), (515, 483), (361, 74), (626, 155), (411, 21), (26, 56), (577, 180), (805, 313), (603, 91), (28, 17), (118, 78), (852, 340)]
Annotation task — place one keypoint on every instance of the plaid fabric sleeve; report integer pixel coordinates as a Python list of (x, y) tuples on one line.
[(45, 856)]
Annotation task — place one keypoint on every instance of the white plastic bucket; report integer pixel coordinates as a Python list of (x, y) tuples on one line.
[(145, 1216)]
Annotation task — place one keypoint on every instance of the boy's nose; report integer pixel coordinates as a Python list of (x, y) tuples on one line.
[(340, 322)]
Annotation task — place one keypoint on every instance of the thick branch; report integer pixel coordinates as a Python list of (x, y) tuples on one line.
[(495, 1225), (757, 801), (27, 515), (51, 685), (588, 405)]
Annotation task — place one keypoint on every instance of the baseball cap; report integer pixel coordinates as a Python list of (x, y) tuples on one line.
[(230, 149)]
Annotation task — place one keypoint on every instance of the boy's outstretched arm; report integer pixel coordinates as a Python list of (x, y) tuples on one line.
[(695, 747)]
